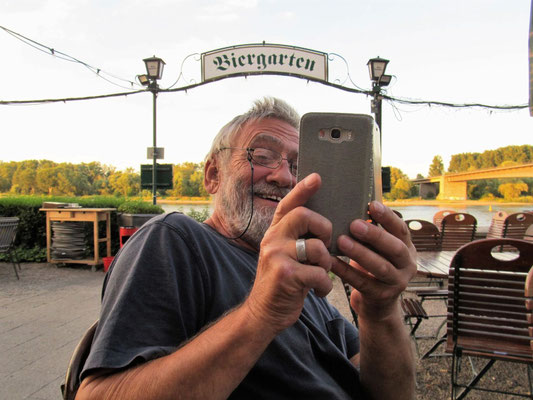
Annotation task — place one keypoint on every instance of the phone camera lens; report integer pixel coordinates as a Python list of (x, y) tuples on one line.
[(335, 133)]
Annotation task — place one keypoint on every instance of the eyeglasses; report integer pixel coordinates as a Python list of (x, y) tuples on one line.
[(267, 158)]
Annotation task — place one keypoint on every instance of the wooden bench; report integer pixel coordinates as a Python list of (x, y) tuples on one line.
[(489, 309)]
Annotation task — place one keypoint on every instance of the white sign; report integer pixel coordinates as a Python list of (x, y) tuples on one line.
[(264, 59), (159, 153)]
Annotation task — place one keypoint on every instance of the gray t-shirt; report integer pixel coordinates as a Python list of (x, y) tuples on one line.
[(175, 276)]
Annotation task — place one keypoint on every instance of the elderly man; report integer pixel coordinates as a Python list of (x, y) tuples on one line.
[(228, 309)]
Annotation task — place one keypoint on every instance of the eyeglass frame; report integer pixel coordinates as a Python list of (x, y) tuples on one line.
[(293, 164)]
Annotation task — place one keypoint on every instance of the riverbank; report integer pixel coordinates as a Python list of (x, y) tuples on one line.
[(398, 203)]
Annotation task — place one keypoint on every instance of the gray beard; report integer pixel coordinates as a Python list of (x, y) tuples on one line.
[(237, 207)]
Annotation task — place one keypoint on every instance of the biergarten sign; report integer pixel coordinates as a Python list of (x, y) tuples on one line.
[(254, 59)]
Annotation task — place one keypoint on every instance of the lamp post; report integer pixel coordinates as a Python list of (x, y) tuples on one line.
[(376, 69), (154, 69)]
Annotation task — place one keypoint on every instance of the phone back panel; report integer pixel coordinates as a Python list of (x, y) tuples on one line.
[(344, 150)]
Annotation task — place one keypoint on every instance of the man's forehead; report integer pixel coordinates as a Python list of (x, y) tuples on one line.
[(270, 131)]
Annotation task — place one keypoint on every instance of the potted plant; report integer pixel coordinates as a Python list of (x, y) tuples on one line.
[(136, 213)]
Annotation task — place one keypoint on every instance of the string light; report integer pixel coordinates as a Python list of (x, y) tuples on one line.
[(63, 56), (100, 72)]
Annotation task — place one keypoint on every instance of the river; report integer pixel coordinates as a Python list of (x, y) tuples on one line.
[(483, 213)]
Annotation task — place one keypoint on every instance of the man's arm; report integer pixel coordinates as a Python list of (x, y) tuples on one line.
[(210, 366), (379, 275)]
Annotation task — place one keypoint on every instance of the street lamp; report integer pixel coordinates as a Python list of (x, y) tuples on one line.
[(376, 69), (154, 69)]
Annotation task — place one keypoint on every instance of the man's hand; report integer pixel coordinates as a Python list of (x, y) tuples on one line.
[(282, 282), (384, 260)]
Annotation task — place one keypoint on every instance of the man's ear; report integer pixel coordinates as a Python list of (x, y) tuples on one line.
[(211, 176)]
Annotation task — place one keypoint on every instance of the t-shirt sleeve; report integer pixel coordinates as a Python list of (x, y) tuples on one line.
[(154, 300), (351, 333)]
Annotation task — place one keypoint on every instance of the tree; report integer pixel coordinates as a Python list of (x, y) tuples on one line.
[(400, 184), (189, 180), (437, 167), (511, 191), (7, 169), (125, 183), (24, 177), (401, 189)]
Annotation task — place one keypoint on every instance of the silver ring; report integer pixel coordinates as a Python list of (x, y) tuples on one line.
[(301, 255)]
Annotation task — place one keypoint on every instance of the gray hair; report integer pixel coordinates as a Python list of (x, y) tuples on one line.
[(267, 107)]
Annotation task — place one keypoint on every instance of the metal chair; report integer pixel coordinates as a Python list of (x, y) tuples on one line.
[(72, 379), (457, 229), (489, 312), (8, 232)]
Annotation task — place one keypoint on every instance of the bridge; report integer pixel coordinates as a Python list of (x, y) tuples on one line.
[(454, 186)]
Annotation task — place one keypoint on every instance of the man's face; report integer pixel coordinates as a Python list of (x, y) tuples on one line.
[(270, 185)]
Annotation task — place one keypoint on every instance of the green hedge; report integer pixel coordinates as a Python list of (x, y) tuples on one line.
[(31, 235)]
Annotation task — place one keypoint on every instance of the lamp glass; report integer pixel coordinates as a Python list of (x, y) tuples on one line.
[(144, 80), (154, 67), (376, 67), (385, 80)]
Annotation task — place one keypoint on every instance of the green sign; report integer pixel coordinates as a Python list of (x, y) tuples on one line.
[(164, 175)]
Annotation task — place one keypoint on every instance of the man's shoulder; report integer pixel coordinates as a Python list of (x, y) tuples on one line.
[(174, 219), (179, 222)]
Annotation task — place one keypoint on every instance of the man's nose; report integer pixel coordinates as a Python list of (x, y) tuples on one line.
[(282, 175)]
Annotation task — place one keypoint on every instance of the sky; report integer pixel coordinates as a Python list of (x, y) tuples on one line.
[(453, 51)]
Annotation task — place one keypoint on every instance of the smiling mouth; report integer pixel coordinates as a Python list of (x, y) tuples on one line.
[(276, 199)]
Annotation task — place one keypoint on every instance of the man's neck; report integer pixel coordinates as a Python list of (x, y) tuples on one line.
[(216, 223)]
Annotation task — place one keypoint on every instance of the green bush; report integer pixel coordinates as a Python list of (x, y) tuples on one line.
[(199, 216), (30, 243), (139, 207)]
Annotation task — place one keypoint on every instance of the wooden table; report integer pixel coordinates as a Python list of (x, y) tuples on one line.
[(435, 264), (94, 215)]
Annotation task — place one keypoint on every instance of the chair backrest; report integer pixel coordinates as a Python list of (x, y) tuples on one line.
[(487, 304), (457, 229), (497, 225), (424, 235), (516, 225), (77, 361), (439, 215), (8, 231), (529, 234)]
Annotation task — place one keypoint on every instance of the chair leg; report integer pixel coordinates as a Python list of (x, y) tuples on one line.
[(430, 352), (529, 373), (476, 379), (12, 259)]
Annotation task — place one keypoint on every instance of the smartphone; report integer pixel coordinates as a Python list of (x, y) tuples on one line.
[(344, 150)]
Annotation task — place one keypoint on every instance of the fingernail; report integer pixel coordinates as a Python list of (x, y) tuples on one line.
[(344, 243), (378, 207), (359, 228), (310, 181)]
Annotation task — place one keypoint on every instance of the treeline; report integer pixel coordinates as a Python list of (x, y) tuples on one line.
[(38, 177), (504, 156), (44, 177), (509, 189)]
